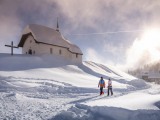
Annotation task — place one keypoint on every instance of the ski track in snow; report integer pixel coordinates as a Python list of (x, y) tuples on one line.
[(23, 104), (47, 99)]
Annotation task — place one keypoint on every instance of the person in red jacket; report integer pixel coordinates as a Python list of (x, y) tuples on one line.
[(102, 85)]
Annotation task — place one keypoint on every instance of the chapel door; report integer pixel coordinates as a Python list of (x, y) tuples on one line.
[(30, 52)]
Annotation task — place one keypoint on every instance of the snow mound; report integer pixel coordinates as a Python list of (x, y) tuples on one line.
[(19, 62), (137, 83), (83, 112), (131, 101)]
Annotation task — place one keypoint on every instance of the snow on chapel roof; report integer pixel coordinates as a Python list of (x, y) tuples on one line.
[(47, 35)]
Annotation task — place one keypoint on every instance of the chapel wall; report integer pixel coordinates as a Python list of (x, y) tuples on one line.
[(30, 44), (76, 58), (55, 50), (40, 48)]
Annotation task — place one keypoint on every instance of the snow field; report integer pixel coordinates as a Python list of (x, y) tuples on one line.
[(50, 87)]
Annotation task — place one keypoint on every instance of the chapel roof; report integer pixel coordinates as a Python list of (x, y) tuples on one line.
[(47, 35)]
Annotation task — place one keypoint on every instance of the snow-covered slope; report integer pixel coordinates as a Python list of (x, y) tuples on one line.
[(52, 87), (61, 69)]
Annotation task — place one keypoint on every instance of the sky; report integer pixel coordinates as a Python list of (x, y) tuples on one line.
[(123, 33)]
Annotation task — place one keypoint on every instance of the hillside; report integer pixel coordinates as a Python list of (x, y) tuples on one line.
[(52, 87), (61, 69)]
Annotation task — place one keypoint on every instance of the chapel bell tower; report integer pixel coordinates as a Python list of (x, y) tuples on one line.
[(57, 29)]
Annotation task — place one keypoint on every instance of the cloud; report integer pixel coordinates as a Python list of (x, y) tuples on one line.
[(143, 51), (121, 14), (106, 54), (93, 55), (114, 49), (10, 25)]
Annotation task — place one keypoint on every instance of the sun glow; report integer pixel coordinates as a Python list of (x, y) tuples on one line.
[(145, 50), (152, 38)]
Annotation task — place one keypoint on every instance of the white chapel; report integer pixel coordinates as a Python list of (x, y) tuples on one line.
[(38, 40)]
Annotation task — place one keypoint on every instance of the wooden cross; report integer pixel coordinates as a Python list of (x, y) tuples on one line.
[(11, 47)]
